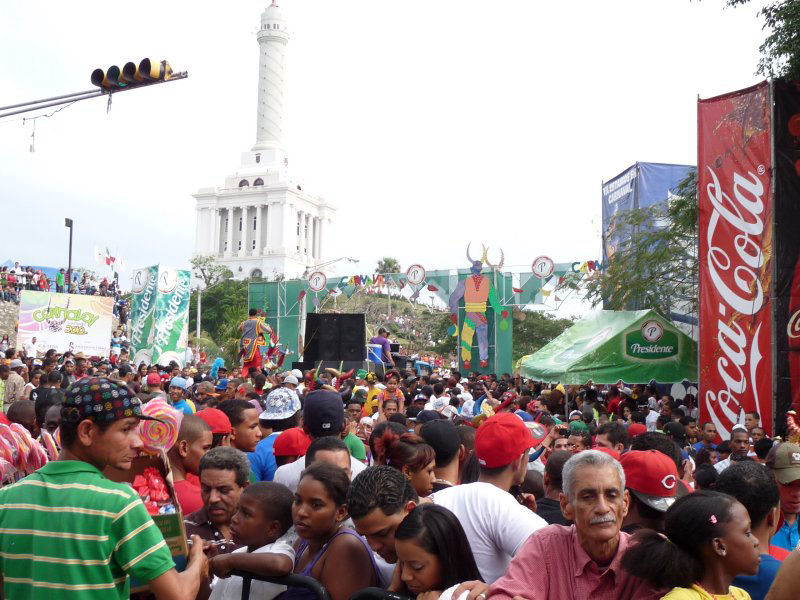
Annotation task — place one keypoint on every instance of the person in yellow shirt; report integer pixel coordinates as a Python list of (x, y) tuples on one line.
[(372, 394), (708, 542)]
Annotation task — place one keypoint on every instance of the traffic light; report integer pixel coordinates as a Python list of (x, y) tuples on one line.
[(132, 75)]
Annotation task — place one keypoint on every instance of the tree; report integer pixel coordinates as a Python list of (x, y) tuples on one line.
[(780, 52), (219, 302), (655, 265), (535, 330), (388, 265), (207, 268)]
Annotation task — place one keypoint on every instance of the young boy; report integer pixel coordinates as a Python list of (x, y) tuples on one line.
[(260, 523)]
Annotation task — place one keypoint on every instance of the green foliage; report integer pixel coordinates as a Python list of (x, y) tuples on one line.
[(388, 265), (780, 52), (655, 265), (209, 270), (220, 305), (536, 330)]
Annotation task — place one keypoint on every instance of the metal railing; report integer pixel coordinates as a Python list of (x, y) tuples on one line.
[(291, 580)]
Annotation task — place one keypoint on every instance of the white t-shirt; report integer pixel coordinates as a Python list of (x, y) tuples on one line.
[(289, 475), (230, 588), (495, 523), (450, 411), (31, 349), (721, 465), (650, 420), (467, 407)]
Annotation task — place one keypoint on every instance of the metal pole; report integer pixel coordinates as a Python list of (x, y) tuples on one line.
[(56, 103), (199, 298), (10, 106), (68, 223)]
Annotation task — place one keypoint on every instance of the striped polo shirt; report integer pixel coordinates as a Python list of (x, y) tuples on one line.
[(68, 532)]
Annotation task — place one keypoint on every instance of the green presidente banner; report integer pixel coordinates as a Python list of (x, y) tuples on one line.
[(160, 315), (172, 316), (143, 305)]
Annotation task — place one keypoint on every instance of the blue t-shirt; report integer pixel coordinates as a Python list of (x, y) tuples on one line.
[(700, 445), (262, 461), (787, 537), (758, 585), (184, 406)]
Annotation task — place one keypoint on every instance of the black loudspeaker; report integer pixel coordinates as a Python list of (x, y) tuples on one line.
[(335, 337)]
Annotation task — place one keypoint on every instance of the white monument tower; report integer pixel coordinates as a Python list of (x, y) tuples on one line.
[(262, 223)]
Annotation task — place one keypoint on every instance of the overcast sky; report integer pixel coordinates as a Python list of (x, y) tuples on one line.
[(428, 123)]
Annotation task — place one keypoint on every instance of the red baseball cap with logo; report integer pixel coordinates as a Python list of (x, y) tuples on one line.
[(217, 419), (652, 477), (501, 440)]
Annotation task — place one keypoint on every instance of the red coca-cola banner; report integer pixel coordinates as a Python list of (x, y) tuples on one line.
[(735, 213), (786, 135)]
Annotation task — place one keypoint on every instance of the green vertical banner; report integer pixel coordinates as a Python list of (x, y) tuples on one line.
[(143, 303), (172, 316)]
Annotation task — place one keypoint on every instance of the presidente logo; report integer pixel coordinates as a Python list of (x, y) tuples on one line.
[(647, 344), (65, 314)]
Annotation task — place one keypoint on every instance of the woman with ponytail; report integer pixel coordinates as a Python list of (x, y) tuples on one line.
[(708, 542), (409, 454)]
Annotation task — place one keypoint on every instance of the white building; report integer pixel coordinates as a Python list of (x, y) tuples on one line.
[(261, 222)]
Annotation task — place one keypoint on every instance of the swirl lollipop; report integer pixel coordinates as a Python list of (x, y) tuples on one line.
[(49, 444), (162, 434)]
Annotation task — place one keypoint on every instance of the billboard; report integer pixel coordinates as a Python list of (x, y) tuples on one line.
[(735, 229), (640, 186), (66, 322)]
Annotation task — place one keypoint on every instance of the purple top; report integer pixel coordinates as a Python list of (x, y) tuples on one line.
[(386, 346)]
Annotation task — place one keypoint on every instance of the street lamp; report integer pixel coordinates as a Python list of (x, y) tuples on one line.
[(68, 223)]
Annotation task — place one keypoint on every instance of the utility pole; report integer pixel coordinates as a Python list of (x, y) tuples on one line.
[(68, 223), (199, 298)]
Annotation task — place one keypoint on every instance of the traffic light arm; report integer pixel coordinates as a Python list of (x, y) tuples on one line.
[(7, 111)]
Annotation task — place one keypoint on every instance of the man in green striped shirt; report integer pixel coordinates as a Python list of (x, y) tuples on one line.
[(66, 531)]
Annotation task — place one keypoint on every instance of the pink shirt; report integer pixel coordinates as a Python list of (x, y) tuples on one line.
[(551, 565)]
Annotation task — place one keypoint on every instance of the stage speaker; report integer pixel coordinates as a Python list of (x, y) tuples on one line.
[(335, 337)]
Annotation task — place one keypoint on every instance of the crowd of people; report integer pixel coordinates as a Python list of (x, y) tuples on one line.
[(15, 279), (436, 486)]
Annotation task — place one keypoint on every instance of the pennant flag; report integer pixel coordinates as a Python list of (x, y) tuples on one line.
[(546, 293), (432, 288), (517, 290), (315, 301), (301, 296), (109, 259)]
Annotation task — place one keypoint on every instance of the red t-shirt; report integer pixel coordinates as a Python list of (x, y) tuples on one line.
[(188, 493)]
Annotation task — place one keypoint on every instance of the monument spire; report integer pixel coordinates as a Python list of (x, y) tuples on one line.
[(272, 40)]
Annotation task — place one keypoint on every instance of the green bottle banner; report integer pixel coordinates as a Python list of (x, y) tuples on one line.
[(143, 305), (172, 316)]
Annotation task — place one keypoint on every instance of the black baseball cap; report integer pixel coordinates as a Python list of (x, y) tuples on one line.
[(425, 416), (323, 413), (442, 435)]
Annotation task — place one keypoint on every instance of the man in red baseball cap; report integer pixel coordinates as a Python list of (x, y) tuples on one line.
[(495, 523), (220, 426), (652, 480)]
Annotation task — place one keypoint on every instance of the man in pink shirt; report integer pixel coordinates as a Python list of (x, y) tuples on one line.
[(583, 560)]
